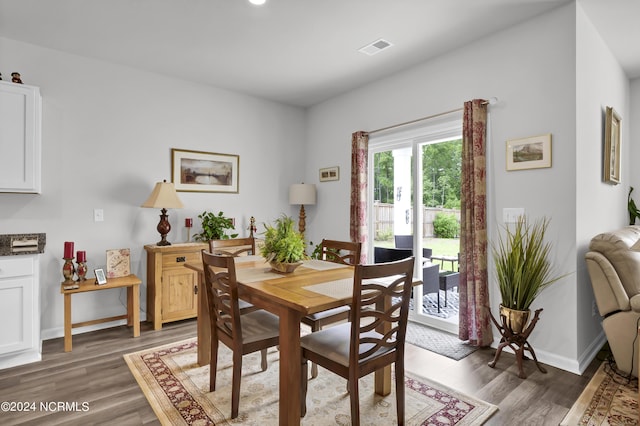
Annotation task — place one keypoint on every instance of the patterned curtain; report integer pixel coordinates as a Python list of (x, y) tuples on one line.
[(474, 321), (359, 157)]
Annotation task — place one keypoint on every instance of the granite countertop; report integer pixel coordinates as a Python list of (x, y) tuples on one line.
[(21, 244)]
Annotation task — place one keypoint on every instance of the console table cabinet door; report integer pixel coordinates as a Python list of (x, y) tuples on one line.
[(20, 138), (179, 298)]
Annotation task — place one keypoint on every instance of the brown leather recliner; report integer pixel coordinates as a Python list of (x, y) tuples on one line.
[(614, 268)]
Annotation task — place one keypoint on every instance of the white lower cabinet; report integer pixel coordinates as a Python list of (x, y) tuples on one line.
[(19, 310)]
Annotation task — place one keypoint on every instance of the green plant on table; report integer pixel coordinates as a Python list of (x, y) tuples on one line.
[(522, 262), (214, 227), (282, 243)]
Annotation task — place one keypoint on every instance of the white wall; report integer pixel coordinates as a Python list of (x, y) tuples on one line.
[(530, 68), (634, 145), (601, 206), (107, 133)]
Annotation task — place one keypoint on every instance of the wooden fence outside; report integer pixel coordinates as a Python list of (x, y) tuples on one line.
[(383, 219)]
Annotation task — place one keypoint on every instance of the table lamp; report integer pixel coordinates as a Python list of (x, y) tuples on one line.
[(302, 194), (163, 197)]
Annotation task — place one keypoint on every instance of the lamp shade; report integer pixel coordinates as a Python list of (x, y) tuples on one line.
[(163, 197), (301, 193)]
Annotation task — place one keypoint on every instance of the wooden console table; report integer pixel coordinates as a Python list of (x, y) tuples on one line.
[(131, 282)]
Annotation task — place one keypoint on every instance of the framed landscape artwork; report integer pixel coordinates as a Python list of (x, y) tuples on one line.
[(529, 153), (612, 147), (198, 171)]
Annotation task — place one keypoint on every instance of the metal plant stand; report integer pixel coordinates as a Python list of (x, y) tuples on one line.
[(517, 342)]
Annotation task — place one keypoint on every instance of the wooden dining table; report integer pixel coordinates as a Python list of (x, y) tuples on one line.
[(315, 286)]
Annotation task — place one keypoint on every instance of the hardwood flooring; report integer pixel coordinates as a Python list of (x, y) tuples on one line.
[(95, 374)]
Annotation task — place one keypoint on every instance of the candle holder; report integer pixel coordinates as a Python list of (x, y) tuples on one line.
[(188, 223), (82, 271), (68, 270), (252, 226)]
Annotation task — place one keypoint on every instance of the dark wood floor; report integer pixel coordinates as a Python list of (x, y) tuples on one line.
[(95, 373)]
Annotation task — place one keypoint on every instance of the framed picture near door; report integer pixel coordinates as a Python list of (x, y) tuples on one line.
[(612, 147)]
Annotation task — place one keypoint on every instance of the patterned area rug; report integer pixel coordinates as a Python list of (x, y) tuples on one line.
[(177, 389), (607, 400), (430, 304), (437, 341)]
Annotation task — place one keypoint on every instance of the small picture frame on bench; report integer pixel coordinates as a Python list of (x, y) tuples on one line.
[(101, 278)]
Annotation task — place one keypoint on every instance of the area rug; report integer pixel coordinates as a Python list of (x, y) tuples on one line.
[(607, 400), (430, 304), (437, 341), (177, 389)]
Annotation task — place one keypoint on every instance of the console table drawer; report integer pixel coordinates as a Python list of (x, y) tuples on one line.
[(174, 260)]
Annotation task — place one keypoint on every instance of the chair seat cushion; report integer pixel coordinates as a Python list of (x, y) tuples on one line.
[(328, 313), (333, 343), (259, 325)]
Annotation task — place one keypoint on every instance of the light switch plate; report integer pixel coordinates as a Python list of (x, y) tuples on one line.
[(510, 215)]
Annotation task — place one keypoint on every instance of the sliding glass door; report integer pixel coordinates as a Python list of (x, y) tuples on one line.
[(414, 204)]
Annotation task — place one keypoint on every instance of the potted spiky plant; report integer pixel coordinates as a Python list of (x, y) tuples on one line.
[(523, 269), (283, 246)]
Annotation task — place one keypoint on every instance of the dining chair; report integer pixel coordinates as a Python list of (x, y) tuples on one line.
[(373, 339), (243, 334), (343, 252), (233, 246)]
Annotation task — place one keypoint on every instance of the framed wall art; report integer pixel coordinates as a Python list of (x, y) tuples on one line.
[(612, 147), (330, 173), (529, 153), (198, 171)]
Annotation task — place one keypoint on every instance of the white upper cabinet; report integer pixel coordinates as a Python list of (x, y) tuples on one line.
[(20, 145)]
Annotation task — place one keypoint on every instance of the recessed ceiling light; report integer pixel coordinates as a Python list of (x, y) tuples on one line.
[(257, 2), (375, 47)]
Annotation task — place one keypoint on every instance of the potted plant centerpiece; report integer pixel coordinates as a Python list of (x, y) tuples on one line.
[(523, 269), (283, 246), (214, 227)]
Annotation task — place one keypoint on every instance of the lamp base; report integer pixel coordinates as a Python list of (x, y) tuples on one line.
[(163, 228), (302, 222)]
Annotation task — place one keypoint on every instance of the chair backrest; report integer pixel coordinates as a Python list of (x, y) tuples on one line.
[(344, 252), (222, 295), (387, 254), (381, 294), (233, 247), (404, 241)]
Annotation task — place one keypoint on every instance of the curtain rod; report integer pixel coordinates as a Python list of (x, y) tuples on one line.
[(491, 101)]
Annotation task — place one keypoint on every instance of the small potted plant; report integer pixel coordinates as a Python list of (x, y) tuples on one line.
[(214, 227), (523, 270), (283, 246)]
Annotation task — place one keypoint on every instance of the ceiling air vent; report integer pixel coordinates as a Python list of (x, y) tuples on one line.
[(375, 47)]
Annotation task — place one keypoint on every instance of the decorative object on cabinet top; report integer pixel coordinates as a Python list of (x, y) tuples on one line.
[(15, 78), (16, 244)]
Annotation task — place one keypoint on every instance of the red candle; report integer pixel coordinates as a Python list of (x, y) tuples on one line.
[(188, 222), (68, 250), (81, 256)]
